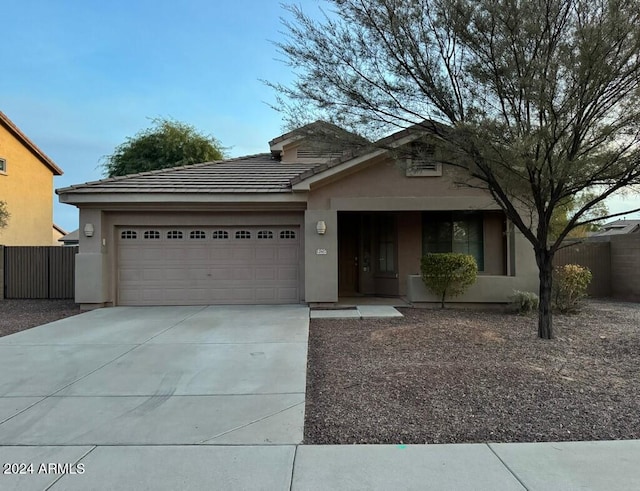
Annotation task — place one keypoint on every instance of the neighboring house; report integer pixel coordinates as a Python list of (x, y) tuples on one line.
[(58, 234), (26, 185), (293, 225), (617, 227), (71, 239)]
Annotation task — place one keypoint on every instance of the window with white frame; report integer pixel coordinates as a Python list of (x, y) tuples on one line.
[(3, 165)]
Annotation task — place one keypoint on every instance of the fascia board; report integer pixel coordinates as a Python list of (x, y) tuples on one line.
[(106, 197)]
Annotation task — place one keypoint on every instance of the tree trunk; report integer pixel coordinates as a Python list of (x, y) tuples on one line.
[(545, 321)]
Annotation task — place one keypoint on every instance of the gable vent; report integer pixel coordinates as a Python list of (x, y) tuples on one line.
[(314, 153), (422, 161)]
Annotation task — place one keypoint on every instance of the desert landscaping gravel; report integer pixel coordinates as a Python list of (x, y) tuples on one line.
[(18, 315), (458, 376)]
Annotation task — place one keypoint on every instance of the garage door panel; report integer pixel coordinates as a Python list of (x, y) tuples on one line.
[(290, 274), (173, 253), (287, 295), (266, 253), (243, 273), (266, 295), (243, 253), (243, 294), (266, 273), (198, 253), (152, 274), (288, 253), (220, 295), (220, 253), (221, 274), (216, 269)]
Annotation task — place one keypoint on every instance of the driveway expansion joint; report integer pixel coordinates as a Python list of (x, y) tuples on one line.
[(511, 471)]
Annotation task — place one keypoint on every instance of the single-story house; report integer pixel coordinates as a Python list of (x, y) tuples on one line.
[(293, 225), (72, 239), (57, 234), (616, 227)]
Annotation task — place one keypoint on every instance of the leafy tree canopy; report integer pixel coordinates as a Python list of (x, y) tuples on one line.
[(167, 143), (563, 212), (539, 100)]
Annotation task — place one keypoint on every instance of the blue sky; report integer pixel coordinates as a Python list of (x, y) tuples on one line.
[(80, 77)]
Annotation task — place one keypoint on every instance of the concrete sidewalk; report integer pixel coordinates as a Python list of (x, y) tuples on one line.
[(357, 312), (609, 466)]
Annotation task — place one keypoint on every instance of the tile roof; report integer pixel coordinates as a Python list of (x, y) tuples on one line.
[(321, 128), (252, 174), (259, 173), (618, 227)]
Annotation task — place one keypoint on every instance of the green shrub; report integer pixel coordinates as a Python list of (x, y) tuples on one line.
[(448, 274), (570, 284), (524, 302)]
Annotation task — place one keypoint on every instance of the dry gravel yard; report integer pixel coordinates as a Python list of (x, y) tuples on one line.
[(18, 315), (474, 376)]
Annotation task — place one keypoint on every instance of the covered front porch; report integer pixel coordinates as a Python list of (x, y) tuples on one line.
[(379, 252)]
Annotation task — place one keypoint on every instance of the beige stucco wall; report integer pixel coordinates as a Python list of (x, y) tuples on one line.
[(27, 188), (383, 186), (321, 270), (96, 261)]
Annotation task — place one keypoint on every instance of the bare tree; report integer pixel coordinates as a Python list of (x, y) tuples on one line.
[(537, 99)]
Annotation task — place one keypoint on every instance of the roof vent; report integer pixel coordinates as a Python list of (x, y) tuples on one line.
[(317, 153)]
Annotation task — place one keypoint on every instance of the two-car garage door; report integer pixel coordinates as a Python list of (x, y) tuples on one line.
[(208, 265)]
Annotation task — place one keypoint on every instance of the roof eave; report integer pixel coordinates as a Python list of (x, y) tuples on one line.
[(184, 197), (32, 147)]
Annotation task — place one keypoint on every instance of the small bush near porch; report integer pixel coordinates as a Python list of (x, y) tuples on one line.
[(454, 376)]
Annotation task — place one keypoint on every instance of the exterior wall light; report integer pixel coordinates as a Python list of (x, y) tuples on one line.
[(321, 227), (88, 230)]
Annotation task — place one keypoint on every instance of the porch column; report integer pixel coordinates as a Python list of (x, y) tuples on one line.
[(321, 256)]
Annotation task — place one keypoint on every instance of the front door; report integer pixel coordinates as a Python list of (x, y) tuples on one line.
[(348, 249)]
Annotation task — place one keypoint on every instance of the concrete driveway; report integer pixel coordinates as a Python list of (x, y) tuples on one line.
[(153, 376)]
